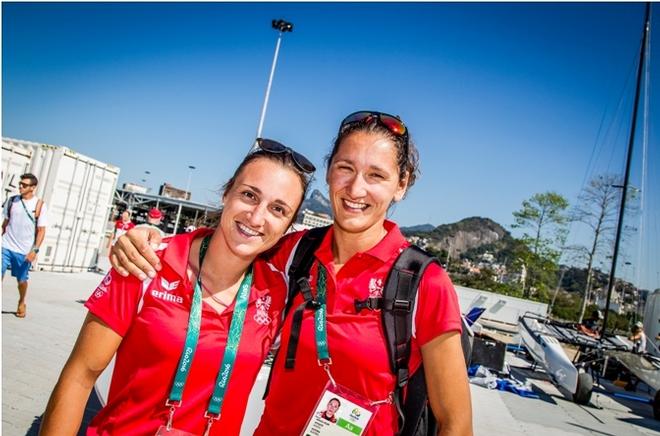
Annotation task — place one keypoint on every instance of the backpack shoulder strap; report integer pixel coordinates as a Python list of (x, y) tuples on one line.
[(303, 258), (10, 203), (302, 261), (298, 271), (399, 297)]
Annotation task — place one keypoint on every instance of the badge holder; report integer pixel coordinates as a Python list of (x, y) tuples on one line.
[(339, 410)]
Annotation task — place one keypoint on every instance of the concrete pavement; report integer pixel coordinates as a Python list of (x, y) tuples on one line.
[(34, 350)]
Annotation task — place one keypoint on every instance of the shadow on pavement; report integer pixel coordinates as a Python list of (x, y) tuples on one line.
[(91, 409), (649, 423), (591, 430)]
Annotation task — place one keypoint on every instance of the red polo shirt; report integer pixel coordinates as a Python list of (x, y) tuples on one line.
[(356, 341), (153, 327)]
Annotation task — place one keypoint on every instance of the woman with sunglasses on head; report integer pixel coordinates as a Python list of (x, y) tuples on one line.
[(189, 343), (371, 166)]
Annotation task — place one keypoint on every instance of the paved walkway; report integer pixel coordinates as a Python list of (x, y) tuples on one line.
[(34, 350)]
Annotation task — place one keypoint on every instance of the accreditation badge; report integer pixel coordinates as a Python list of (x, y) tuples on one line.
[(339, 412)]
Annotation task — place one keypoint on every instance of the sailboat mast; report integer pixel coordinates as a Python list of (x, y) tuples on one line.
[(626, 179)]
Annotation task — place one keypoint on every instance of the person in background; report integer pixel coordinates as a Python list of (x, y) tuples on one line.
[(154, 220), (181, 366), (371, 166), (23, 231), (122, 225), (638, 338), (591, 326)]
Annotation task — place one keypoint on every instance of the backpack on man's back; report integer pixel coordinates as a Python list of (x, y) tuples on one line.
[(35, 219)]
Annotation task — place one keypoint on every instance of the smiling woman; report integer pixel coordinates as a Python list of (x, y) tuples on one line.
[(335, 342), (212, 291)]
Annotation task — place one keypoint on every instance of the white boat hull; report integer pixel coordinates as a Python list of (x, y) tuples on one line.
[(548, 352)]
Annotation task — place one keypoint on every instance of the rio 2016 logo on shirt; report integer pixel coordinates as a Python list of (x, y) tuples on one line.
[(355, 414)]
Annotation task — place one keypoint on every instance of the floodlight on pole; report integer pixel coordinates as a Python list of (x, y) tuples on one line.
[(282, 27), (188, 195), (190, 169)]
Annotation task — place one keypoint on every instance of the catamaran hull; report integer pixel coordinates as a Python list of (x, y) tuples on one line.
[(548, 352)]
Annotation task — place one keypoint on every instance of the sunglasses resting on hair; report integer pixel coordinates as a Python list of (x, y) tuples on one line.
[(301, 162), (391, 122)]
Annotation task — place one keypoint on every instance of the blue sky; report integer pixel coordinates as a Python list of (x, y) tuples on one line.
[(503, 100)]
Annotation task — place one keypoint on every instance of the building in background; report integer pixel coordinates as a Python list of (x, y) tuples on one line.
[(312, 219), (78, 191), (178, 213)]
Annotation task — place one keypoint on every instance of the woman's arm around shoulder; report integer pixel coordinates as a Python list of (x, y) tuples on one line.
[(94, 348)]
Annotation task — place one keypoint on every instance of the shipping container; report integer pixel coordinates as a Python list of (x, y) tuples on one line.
[(78, 193)]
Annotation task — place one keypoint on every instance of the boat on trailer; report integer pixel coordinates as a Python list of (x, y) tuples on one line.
[(541, 338), (550, 343)]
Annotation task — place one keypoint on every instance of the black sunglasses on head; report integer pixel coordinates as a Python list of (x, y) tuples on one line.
[(24, 185), (301, 162)]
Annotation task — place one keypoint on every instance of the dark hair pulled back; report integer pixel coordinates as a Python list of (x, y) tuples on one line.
[(406, 152)]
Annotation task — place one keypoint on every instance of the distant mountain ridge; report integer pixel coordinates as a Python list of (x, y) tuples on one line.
[(318, 203), (459, 237), (419, 228)]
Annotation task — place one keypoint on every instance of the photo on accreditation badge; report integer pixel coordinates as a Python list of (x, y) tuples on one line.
[(338, 414)]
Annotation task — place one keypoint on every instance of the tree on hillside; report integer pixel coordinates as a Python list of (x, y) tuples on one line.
[(597, 209), (545, 219)]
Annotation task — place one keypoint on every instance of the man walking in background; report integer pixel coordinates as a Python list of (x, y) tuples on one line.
[(23, 231)]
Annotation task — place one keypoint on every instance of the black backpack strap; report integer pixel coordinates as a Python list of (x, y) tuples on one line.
[(8, 204), (10, 201), (419, 418), (302, 261), (308, 303), (298, 281), (399, 297), (299, 269)]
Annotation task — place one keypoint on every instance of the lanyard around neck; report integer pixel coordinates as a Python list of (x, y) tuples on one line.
[(320, 318), (321, 324), (192, 336)]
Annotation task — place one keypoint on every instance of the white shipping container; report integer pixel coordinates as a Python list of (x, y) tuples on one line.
[(15, 161), (78, 193)]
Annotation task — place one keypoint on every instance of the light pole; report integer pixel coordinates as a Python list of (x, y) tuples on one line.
[(146, 177), (282, 27), (190, 170), (188, 197)]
